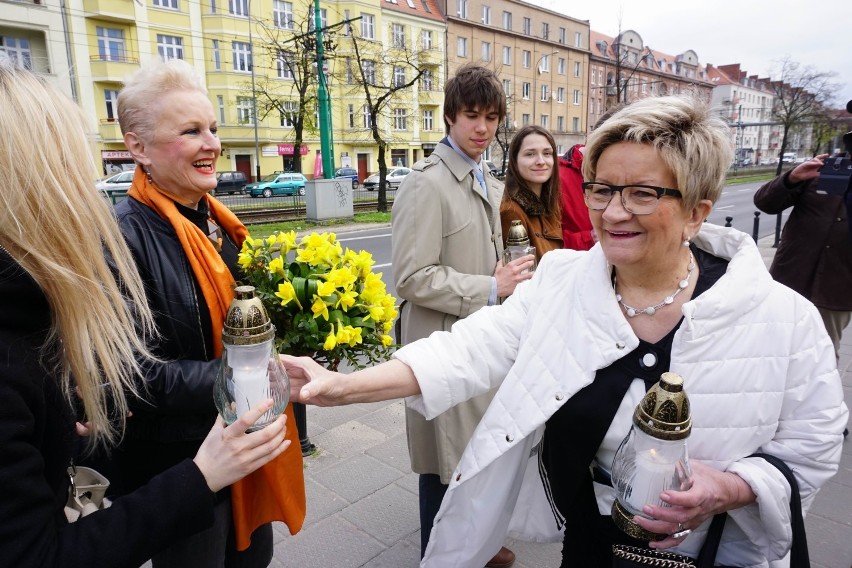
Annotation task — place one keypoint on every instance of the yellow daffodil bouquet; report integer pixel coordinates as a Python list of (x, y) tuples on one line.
[(325, 301)]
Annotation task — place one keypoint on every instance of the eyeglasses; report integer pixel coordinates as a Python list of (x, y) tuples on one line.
[(636, 199), (214, 233)]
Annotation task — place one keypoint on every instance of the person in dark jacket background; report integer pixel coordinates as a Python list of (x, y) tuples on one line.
[(185, 244), (814, 257), (73, 326)]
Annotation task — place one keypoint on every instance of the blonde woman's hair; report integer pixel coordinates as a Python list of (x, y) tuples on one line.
[(691, 140), (138, 108), (57, 227)]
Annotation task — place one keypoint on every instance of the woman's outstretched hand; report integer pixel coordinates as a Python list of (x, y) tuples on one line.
[(230, 453), (311, 383)]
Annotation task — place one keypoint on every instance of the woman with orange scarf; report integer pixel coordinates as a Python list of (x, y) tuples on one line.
[(185, 244)]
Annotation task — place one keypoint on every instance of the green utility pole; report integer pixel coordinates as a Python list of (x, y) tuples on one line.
[(326, 136)]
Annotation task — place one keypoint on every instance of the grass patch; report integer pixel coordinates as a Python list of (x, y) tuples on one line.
[(299, 225), (732, 180)]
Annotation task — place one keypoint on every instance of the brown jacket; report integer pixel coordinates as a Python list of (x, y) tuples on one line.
[(814, 257), (445, 244), (545, 232)]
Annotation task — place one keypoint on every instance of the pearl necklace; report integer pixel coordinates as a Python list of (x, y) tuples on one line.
[(651, 310)]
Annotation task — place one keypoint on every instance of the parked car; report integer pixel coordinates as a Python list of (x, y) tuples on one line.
[(788, 158), (278, 184), (115, 186), (492, 168), (395, 177), (230, 182), (350, 173)]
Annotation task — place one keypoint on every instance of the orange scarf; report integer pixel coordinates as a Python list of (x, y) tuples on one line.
[(275, 492)]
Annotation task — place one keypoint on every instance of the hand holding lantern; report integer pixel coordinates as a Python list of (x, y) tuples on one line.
[(517, 244), (250, 370), (653, 457)]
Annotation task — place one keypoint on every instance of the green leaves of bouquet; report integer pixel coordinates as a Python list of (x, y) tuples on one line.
[(325, 301)]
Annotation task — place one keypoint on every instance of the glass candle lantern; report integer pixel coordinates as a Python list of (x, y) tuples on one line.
[(249, 371), (653, 456), (517, 244)]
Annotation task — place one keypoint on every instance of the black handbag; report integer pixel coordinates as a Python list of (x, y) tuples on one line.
[(635, 557)]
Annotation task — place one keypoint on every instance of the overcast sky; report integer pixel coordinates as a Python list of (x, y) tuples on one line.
[(753, 33)]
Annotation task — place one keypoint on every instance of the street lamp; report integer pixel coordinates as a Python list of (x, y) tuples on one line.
[(253, 96), (535, 77)]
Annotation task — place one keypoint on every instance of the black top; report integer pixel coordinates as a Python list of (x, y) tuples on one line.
[(36, 442)]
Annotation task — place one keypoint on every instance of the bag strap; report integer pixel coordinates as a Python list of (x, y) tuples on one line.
[(799, 557)]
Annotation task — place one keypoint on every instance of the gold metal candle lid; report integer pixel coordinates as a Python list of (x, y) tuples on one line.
[(246, 322), (664, 410), (517, 235)]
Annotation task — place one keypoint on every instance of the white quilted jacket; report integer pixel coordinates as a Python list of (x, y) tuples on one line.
[(757, 363)]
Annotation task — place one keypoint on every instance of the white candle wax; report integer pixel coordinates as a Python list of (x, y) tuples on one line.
[(649, 480), (250, 387)]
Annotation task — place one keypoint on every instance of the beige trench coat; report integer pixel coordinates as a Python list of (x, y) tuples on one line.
[(446, 243)]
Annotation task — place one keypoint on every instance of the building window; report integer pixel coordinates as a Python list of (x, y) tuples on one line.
[(244, 111), (398, 76), (347, 27), (525, 90), (173, 4), (18, 50), (368, 117), (427, 80), (289, 113), (284, 65), (507, 87), (238, 7), (560, 65), (486, 15), (545, 91), (242, 56), (461, 50), (111, 100), (169, 47), (525, 119), (351, 114), (560, 124), (323, 18), (507, 55), (560, 95), (428, 120), (507, 21), (545, 121), (110, 44), (526, 59), (578, 39), (368, 27), (578, 68), (576, 96), (400, 119), (563, 35), (575, 124), (426, 39), (282, 14), (368, 66), (486, 51), (544, 66), (220, 102), (545, 30), (461, 10), (527, 27), (217, 60), (398, 33)]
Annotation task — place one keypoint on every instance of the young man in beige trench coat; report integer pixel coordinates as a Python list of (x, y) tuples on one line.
[(447, 246)]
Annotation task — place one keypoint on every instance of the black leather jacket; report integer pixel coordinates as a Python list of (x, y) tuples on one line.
[(180, 389)]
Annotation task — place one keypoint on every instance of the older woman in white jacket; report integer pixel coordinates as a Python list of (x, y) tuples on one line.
[(574, 349)]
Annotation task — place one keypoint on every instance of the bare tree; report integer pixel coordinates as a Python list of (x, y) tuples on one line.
[(800, 93), (288, 88), (384, 77)]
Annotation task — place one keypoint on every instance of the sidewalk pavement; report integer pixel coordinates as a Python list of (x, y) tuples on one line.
[(362, 495)]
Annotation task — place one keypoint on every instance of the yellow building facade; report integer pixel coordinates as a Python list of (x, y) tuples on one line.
[(87, 47)]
